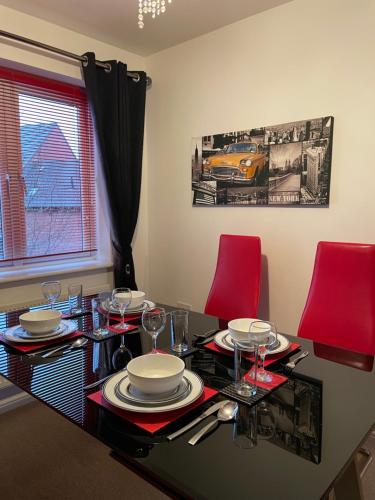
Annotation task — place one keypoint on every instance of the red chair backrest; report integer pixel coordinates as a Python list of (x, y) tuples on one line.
[(236, 286), (340, 308)]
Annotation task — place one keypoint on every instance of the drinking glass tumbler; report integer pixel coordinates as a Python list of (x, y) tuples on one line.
[(179, 330), (51, 291), (243, 384), (100, 315), (75, 298)]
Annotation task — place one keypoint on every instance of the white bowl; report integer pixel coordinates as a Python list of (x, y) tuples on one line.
[(155, 373), (137, 299), (239, 328), (40, 321)]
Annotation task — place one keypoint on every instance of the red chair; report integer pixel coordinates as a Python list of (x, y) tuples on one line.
[(340, 308), (236, 286)]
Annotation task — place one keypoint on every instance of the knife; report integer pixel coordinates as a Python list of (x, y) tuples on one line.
[(206, 338), (212, 409)]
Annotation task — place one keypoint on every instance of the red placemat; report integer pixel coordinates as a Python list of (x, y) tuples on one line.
[(152, 422), (28, 347), (270, 359), (269, 386), (127, 317), (122, 331)]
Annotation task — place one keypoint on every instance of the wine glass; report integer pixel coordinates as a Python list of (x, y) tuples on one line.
[(267, 340), (121, 298), (121, 356), (153, 322), (51, 291)]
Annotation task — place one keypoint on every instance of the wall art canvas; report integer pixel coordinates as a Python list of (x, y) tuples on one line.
[(280, 165)]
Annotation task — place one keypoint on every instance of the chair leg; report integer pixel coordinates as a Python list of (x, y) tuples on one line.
[(364, 459), (348, 486)]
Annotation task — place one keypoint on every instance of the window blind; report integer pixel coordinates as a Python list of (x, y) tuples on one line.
[(47, 175)]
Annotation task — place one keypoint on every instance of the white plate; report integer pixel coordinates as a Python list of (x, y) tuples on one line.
[(138, 309), (69, 326), (24, 334), (222, 339), (125, 390), (109, 395)]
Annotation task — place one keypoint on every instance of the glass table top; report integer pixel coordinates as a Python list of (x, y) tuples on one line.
[(299, 437)]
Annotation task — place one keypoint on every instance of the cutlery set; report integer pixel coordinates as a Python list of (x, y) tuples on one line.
[(46, 353), (226, 411)]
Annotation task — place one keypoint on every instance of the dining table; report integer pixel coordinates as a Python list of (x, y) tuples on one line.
[(300, 437)]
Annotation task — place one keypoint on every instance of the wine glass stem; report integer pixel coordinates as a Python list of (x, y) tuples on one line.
[(256, 366), (122, 319), (262, 359), (154, 337)]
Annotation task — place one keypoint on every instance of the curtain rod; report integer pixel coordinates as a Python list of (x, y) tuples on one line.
[(76, 57)]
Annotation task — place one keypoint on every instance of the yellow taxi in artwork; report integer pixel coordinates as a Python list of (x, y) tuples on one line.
[(241, 162)]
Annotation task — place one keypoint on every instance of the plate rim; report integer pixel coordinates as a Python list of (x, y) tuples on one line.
[(130, 311), (145, 401), (70, 328), (272, 353), (57, 331), (160, 409)]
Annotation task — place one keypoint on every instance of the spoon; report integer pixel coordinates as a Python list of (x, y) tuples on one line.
[(74, 345), (226, 413)]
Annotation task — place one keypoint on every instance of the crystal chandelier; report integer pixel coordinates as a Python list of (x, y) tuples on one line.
[(153, 7)]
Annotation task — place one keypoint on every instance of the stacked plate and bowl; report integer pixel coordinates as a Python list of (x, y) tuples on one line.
[(153, 383), (137, 305), (40, 326), (238, 330)]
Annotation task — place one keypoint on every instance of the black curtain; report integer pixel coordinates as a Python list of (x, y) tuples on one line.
[(118, 107)]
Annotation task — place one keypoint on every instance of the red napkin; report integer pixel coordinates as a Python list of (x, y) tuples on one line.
[(270, 359), (121, 331), (30, 347), (152, 422), (269, 386)]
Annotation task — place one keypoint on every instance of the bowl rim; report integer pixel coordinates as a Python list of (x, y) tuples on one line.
[(57, 315), (250, 320), (166, 377)]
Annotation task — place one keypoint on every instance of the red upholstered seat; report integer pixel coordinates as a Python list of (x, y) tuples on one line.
[(340, 308), (236, 286)]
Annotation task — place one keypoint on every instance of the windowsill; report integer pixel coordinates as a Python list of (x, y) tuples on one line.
[(30, 272)]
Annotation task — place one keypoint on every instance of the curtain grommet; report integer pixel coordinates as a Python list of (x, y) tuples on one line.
[(127, 269), (85, 61)]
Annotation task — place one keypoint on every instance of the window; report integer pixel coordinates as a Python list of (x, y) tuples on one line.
[(47, 177)]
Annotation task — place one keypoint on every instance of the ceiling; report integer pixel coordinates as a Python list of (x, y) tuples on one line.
[(115, 21)]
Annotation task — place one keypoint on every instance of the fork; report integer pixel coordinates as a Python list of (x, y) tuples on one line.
[(289, 367)]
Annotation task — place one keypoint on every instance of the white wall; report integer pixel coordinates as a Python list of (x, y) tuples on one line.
[(301, 60), (10, 20)]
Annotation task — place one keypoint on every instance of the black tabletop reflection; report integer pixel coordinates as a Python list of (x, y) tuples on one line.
[(291, 445)]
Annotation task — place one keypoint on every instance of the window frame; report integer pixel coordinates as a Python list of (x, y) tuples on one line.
[(12, 180)]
